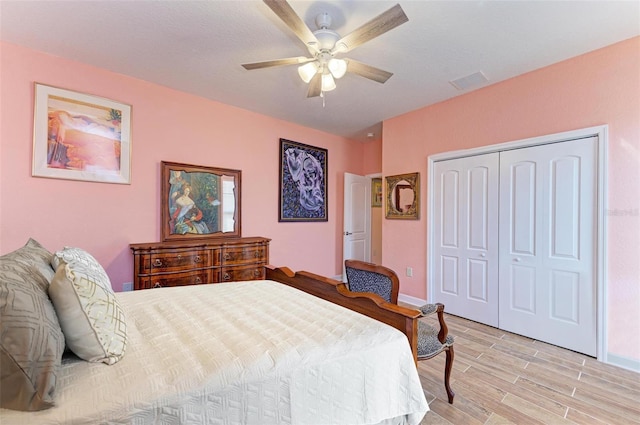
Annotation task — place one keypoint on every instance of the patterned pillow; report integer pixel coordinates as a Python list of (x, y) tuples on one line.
[(91, 318), (31, 341)]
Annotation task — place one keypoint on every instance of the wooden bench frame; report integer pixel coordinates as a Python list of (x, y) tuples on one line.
[(402, 318)]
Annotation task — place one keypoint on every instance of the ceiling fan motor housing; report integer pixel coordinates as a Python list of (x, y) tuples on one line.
[(326, 39)]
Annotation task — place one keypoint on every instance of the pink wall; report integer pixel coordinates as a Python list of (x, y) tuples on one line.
[(372, 158), (601, 87), (166, 125)]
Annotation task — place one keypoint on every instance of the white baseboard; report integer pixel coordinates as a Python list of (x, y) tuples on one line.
[(411, 300), (623, 362)]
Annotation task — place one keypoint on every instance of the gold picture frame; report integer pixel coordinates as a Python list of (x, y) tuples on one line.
[(376, 192), (403, 196), (78, 136)]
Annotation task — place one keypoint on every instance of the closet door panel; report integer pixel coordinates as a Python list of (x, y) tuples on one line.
[(465, 243), (547, 256)]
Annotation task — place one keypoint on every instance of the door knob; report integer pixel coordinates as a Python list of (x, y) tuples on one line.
[(482, 254), (348, 233), (517, 259)]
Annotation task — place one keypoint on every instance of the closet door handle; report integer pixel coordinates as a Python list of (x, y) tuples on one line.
[(482, 254), (517, 259)]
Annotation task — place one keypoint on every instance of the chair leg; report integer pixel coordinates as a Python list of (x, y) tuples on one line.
[(447, 374)]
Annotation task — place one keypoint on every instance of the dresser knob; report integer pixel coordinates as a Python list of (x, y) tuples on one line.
[(226, 276), (257, 273), (197, 259), (227, 256), (157, 285), (258, 254), (158, 263), (198, 280)]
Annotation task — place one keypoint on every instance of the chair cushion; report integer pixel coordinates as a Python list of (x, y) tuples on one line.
[(91, 318), (428, 309), (428, 343), (31, 341), (366, 281)]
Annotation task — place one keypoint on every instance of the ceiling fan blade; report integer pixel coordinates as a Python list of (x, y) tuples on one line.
[(286, 13), (277, 62), (368, 71), (315, 86), (377, 26)]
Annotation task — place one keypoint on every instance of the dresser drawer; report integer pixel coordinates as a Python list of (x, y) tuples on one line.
[(244, 254), (178, 279), (250, 272), (175, 261)]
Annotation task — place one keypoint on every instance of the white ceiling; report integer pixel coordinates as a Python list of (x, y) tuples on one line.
[(198, 46)]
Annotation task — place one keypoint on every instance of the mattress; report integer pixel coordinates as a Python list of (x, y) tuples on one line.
[(255, 352)]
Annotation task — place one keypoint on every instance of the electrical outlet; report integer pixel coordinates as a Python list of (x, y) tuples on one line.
[(127, 286), (409, 272)]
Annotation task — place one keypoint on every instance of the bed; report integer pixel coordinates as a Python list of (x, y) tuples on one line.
[(254, 352)]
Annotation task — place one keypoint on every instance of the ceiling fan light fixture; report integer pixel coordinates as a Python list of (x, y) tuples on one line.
[(338, 67), (307, 71), (328, 82)]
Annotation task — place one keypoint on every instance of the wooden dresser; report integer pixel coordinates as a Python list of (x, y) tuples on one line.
[(178, 263)]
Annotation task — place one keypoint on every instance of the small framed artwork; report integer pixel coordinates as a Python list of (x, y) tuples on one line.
[(78, 136), (303, 182), (376, 192), (199, 202), (403, 196)]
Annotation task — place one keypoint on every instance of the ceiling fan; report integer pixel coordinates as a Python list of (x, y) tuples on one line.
[(325, 44)]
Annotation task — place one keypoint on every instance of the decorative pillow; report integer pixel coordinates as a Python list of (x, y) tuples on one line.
[(90, 316), (31, 341)]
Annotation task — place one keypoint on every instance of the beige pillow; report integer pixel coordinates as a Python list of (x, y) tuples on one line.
[(90, 316), (31, 341)]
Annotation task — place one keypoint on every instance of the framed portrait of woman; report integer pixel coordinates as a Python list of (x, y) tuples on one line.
[(199, 202)]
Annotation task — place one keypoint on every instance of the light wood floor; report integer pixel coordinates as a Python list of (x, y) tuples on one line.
[(503, 378)]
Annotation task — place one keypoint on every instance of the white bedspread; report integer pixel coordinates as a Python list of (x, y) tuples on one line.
[(254, 352)]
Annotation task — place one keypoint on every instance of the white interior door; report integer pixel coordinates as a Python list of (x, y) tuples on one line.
[(547, 243), (357, 218), (466, 237)]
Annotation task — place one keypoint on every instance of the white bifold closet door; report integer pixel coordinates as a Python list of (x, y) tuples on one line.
[(547, 243), (514, 241), (466, 236)]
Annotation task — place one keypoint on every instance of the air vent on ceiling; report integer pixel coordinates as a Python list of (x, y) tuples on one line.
[(471, 81)]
